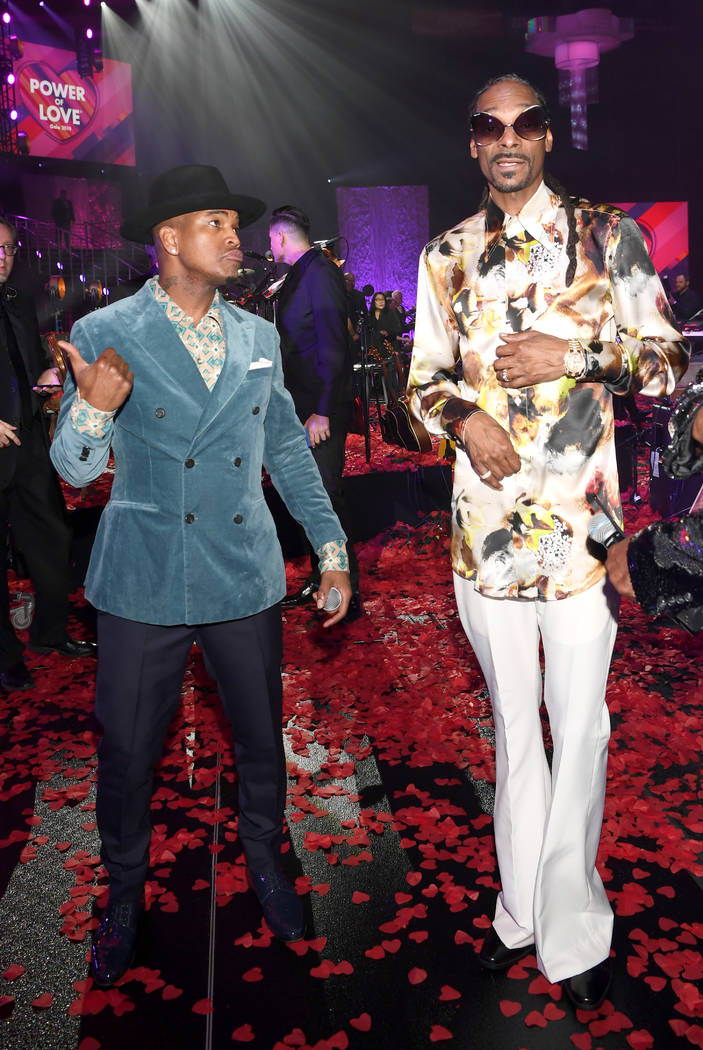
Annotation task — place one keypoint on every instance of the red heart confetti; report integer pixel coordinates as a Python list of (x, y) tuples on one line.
[(243, 1034), (43, 1001), (417, 975), (203, 1006), (439, 1034)]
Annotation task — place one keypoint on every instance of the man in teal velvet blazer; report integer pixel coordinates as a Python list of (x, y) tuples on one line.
[(187, 390)]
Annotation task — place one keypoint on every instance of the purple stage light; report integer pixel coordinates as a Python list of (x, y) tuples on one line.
[(89, 34), (13, 114), (11, 78), (7, 17)]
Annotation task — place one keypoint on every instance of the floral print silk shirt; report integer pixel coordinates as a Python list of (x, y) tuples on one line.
[(498, 273)]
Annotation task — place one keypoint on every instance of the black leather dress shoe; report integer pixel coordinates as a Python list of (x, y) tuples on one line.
[(114, 942), (301, 597), (587, 990), (72, 647), (16, 677), (495, 956), (279, 903)]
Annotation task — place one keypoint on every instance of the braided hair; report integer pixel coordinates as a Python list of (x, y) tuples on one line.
[(566, 200)]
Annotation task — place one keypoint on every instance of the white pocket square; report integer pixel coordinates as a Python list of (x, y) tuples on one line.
[(263, 362)]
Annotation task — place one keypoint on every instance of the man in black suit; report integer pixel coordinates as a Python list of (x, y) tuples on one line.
[(311, 318), (31, 502)]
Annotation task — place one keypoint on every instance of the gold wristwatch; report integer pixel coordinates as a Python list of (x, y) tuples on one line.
[(575, 360)]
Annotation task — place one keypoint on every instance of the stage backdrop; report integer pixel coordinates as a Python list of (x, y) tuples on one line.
[(386, 228), (74, 119), (665, 227)]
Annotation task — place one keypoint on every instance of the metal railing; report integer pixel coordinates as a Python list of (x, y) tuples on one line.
[(96, 252)]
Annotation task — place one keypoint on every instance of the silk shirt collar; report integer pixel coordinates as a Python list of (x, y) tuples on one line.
[(537, 217), (178, 316)]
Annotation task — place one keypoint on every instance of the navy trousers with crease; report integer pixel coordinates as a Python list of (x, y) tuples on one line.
[(140, 676)]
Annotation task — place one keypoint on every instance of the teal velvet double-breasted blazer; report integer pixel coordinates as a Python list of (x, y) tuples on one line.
[(187, 536)]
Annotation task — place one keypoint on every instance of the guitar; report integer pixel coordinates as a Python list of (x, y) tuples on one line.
[(400, 427)]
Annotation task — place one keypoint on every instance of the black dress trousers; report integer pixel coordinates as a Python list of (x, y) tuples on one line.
[(329, 456), (140, 675), (32, 505)]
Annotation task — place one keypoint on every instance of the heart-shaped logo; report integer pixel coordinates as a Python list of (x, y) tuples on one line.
[(62, 104)]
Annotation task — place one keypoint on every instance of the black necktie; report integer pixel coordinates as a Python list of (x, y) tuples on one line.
[(17, 365)]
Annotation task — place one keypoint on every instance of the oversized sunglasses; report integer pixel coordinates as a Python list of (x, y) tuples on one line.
[(531, 125)]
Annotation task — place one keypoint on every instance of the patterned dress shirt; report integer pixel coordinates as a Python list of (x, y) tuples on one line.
[(497, 273), (206, 344)]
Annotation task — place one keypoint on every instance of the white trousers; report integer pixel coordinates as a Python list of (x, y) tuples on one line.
[(547, 825)]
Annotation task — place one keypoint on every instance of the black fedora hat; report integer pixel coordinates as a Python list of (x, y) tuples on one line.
[(192, 187)]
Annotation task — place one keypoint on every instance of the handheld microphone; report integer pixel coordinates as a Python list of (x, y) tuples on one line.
[(604, 531), (334, 600)]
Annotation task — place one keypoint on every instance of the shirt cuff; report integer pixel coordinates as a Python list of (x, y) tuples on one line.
[(454, 415), (605, 363), (333, 556), (89, 421)]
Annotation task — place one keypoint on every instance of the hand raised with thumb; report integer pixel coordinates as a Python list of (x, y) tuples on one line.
[(106, 383)]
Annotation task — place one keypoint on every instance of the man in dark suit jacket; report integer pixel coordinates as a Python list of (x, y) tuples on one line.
[(31, 501), (311, 318)]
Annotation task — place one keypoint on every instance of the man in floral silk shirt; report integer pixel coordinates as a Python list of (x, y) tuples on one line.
[(531, 314)]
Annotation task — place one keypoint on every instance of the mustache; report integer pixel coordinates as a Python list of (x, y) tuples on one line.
[(508, 156)]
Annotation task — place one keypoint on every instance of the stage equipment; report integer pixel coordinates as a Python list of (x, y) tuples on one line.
[(88, 58), (93, 292), (10, 49), (668, 496), (56, 287), (254, 290)]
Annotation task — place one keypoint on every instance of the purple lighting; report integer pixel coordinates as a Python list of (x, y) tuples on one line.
[(89, 34), (386, 228), (11, 78), (7, 17), (13, 114)]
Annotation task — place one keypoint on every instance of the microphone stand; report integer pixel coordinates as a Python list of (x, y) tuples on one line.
[(363, 357)]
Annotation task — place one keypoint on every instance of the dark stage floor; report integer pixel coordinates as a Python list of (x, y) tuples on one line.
[(389, 743)]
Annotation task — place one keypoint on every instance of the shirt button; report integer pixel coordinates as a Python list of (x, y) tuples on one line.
[(190, 463), (255, 410), (160, 413), (189, 519), (238, 519), (238, 461)]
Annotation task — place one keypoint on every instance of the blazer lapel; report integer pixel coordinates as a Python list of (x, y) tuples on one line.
[(159, 342)]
